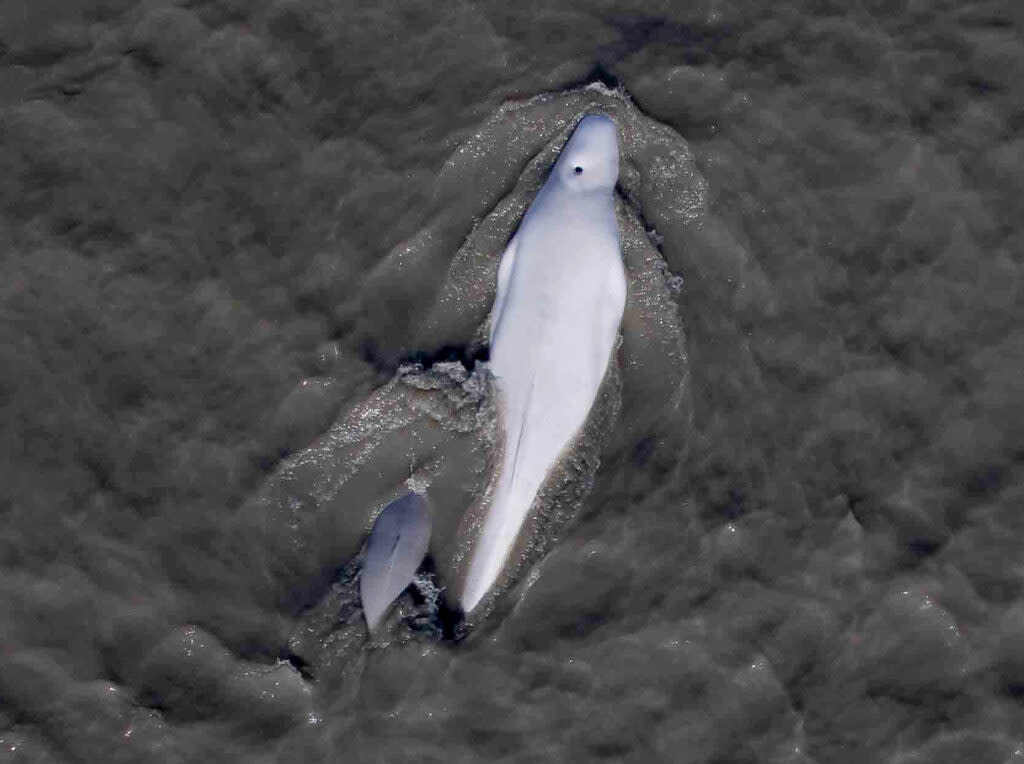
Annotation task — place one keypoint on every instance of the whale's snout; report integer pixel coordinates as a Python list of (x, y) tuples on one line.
[(590, 160)]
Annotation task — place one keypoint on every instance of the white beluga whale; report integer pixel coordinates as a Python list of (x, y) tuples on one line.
[(396, 547), (560, 298)]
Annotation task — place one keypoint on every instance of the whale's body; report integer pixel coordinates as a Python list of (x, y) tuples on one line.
[(560, 299), (395, 549)]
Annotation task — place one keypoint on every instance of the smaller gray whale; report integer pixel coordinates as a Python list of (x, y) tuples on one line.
[(394, 551)]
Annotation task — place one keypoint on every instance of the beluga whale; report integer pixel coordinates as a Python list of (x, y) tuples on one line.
[(394, 550), (561, 294)]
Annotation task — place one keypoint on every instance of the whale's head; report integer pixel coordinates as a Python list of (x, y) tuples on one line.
[(590, 160)]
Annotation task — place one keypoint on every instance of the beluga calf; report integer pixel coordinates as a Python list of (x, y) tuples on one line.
[(560, 300), (394, 551)]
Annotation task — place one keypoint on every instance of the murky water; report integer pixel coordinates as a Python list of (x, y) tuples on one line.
[(248, 255)]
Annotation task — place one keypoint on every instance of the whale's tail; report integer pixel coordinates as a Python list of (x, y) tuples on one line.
[(524, 467), (504, 519)]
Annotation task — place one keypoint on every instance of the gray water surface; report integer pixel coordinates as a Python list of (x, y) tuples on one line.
[(230, 232)]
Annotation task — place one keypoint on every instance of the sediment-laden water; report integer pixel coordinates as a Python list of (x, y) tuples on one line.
[(248, 255)]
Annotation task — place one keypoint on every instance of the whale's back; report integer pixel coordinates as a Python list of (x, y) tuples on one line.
[(557, 315)]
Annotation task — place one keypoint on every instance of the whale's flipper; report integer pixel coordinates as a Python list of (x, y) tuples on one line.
[(397, 546), (504, 274)]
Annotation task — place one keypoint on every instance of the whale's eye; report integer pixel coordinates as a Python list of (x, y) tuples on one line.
[(578, 170)]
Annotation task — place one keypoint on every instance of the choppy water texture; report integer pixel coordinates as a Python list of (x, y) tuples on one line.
[(248, 252)]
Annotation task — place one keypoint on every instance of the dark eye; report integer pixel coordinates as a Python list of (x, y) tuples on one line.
[(578, 170)]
